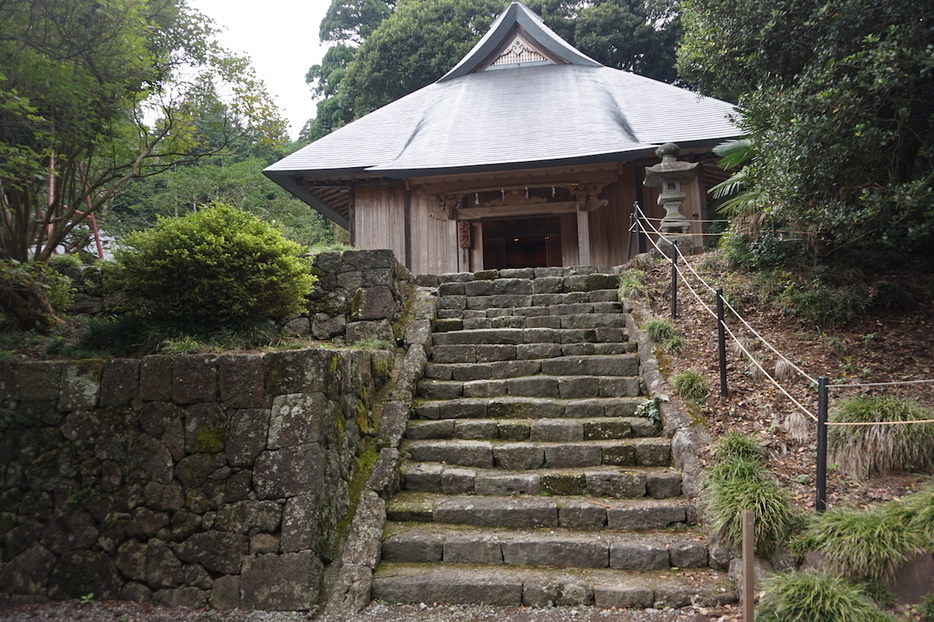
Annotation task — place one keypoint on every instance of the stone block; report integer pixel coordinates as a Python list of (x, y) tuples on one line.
[(217, 551), (545, 550), (513, 430), (533, 386), (38, 380), (376, 303), (420, 547), (249, 517), (556, 430), (205, 428), (472, 549), (299, 524), (289, 472), (242, 380), (384, 480), (375, 330), (246, 436), (296, 419), (642, 556), (664, 484), (297, 327), (582, 515), (518, 456), (225, 593), (350, 592), (616, 483), (458, 481), (573, 455), (119, 382), (658, 517), (507, 484), (326, 326), (689, 554), (362, 546), (420, 477), (155, 377), (477, 454), (439, 588), (430, 429), (497, 512), (475, 430), (195, 379), (80, 385)]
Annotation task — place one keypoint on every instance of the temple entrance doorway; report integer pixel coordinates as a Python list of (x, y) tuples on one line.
[(522, 243)]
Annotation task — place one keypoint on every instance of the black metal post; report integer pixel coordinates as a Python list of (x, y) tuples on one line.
[(820, 503), (721, 342), (674, 280)]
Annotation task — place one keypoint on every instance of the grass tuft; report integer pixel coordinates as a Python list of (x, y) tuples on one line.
[(862, 451), (816, 596), (691, 385), (738, 481), (869, 543)]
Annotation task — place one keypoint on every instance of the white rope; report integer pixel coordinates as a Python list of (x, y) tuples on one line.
[(767, 375), (880, 384)]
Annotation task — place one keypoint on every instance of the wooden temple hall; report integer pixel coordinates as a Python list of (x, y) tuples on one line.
[(526, 154)]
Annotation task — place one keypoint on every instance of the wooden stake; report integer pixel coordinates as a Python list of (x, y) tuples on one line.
[(749, 566)]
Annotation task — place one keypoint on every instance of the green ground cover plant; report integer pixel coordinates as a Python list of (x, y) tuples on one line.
[(863, 451)]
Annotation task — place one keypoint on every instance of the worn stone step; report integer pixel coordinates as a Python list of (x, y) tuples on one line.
[(570, 512), (556, 547), (533, 455), (567, 365), (526, 408), (524, 366), (541, 587), (529, 336), (600, 301), (655, 482), (600, 317), (541, 386), (574, 429), (521, 285)]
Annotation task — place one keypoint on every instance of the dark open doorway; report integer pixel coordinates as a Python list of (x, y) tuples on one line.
[(522, 243)]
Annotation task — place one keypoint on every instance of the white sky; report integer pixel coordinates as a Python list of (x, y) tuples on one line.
[(281, 38)]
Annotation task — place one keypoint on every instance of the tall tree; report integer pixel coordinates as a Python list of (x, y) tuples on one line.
[(95, 94), (838, 96), (412, 48)]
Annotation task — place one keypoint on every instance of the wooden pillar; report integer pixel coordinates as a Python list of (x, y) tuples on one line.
[(583, 238)]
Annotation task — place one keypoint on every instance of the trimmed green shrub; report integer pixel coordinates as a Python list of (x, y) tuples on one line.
[(218, 265), (863, 543), (815, 596), (867, 450), (691, 385)]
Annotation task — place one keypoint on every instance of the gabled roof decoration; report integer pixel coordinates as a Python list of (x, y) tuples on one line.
[(519, 52), (518, 17)]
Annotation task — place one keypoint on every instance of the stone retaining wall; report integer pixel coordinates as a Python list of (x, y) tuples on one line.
[(360, 295), (196, 480)]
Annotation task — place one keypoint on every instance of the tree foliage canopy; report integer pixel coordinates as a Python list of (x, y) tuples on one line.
[(94, 94), (838, 98)]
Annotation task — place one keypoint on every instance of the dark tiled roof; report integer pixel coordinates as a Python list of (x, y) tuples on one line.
[(511, 117)]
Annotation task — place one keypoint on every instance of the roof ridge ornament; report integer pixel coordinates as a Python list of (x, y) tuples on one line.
[(519, 52)]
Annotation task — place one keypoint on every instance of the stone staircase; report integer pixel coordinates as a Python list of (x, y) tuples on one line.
[(528, 480)]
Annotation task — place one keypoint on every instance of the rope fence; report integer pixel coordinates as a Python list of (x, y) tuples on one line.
[(643, 227)]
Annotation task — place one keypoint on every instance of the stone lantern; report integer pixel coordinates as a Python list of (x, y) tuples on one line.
[(669, 175)]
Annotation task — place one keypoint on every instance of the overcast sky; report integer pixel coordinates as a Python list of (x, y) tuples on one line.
[(281, 38)]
